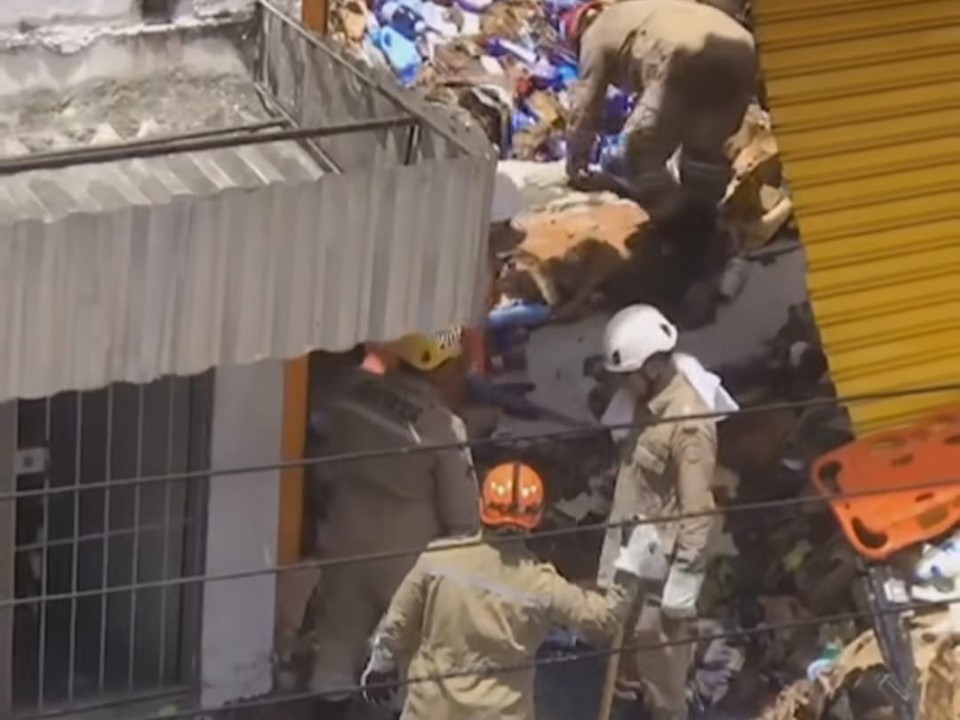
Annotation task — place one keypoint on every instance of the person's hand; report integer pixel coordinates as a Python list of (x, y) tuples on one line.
[(641, 555), (379, 685), (580, 179)]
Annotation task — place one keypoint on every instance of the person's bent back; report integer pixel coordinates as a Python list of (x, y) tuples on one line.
[(473, 612)]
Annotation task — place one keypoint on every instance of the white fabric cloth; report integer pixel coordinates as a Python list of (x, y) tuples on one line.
[(642, 556), (681, 593), (707, 384)]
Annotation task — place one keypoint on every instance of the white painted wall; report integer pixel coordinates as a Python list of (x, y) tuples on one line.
[(93, 12), (13, 12), (238, 615)]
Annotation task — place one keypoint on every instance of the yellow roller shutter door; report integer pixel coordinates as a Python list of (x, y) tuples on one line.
[(865, 98)]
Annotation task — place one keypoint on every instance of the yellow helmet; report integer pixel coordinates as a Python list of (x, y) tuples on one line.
[(427, 352)]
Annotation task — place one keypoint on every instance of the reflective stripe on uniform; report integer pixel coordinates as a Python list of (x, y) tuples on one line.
[(477, 582)]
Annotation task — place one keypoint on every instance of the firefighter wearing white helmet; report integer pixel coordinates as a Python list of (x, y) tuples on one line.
[(387, 503), (666, 469)]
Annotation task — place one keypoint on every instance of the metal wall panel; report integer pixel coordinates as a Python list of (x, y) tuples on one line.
[(141, 291), (865, 97)]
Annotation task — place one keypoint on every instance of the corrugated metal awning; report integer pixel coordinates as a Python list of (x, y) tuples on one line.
[(132, 269)]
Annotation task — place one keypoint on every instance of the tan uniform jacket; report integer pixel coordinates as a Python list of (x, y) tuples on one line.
[(654, 47), (395, 501), (483, 606), (667, 469)]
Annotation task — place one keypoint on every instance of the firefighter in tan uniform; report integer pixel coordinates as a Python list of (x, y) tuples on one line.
[(694, 69), (487, 603), (666, 469), (387, 503)]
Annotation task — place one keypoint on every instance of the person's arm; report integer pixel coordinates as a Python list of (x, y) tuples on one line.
[(586, 612), (695, 457), (586, 112), (457, 488), (595, 613)]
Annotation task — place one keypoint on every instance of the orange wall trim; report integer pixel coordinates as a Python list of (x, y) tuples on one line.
[(296, 378), (316, 14)]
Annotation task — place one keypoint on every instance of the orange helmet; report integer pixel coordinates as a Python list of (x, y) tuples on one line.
[(574, 22), (512, 496)]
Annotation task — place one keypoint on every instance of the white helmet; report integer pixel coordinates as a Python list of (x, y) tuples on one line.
[(634, 335)]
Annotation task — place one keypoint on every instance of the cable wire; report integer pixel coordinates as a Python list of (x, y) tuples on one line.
[(328, 562), (569, 433), (554, 660)]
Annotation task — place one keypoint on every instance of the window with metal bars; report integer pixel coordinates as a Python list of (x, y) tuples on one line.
[(81, 628)]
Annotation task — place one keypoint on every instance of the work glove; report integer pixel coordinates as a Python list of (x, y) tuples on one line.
[(379, 678), (681, 592), (641, 555), (379, 684)]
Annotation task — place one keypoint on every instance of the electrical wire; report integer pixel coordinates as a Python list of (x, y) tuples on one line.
[(535, 664), (570, 433), (544, 534), (326, 562), (329, 562)]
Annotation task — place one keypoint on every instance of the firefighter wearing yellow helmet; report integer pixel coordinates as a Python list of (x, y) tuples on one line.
[(387, 502)]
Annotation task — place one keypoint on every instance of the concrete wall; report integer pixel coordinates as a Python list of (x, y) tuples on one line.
[(238, 615), (93, 12)]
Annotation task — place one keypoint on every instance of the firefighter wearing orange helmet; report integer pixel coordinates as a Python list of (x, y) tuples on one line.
[(486, 602), (385, 502)]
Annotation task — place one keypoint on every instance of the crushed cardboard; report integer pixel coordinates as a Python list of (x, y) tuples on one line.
[(936, 653), (570, 251)]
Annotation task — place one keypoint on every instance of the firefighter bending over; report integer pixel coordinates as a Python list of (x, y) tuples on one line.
[(666, 469), (694, 69), (488, 603), (387, 503)]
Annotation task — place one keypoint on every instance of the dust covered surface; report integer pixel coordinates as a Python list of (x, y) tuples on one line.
[(43, 120)]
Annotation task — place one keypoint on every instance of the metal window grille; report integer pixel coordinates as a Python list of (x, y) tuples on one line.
[(92, 646)]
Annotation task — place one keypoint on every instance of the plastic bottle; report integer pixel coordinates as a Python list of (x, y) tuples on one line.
[(499, 47), (827, 660), (400, 52), (521, 314), (402, 17), (940, 564), (474, 6)]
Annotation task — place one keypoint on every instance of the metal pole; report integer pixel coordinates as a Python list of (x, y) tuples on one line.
[(168, 139), (111, 153)]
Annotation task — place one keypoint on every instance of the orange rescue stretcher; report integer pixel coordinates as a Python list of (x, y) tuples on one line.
[(891, 491)]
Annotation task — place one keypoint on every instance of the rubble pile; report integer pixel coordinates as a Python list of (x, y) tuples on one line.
[(504, 61), (851, 688), (504, 64)]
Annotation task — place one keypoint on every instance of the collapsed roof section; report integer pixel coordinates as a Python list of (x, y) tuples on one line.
[(167, 223)]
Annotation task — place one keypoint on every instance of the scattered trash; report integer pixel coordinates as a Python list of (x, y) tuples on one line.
[(517, 45), (940, 564)]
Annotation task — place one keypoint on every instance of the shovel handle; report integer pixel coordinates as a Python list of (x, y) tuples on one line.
[(610, 679), (613, 663)]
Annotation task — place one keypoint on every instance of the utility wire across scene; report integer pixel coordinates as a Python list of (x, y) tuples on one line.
[(320, 563), (501, 441)]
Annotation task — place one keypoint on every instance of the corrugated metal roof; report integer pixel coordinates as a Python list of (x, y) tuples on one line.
[(130, 270)]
